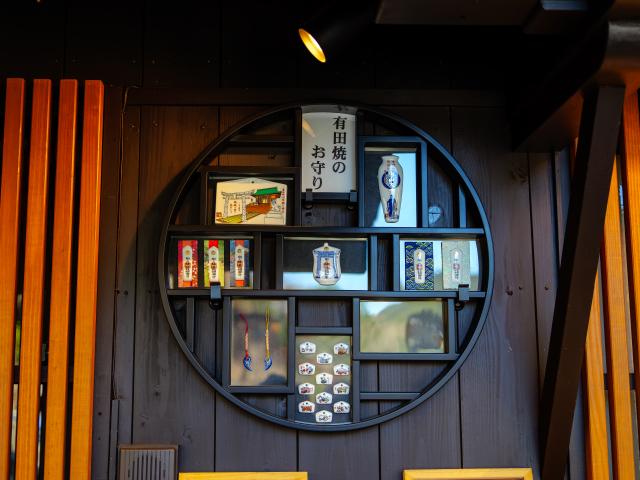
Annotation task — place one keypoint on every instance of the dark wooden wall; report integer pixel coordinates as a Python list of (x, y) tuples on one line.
[(450, 82)]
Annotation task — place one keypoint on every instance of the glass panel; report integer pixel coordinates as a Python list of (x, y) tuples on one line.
[(402, 327), (325, 264), (323, 379), (408, 202), (259, 333), (425, 269)]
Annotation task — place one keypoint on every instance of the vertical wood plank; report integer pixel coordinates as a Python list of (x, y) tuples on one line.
[(34, 283), (57, 377), (631, 188), (597, 445), (622, 452), (87, 281), (9, 231)]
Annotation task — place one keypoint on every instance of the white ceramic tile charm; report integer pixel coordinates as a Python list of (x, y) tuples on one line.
[(306, 389), (341, 369), (324, 358), (341, 407), (324, 379), (324, 416), (307, 347), (341, 389), (306, 369), (306, 407)]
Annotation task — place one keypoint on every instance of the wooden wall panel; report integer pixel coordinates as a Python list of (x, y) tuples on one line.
[(171, 403), (87, 281), (35, 246), (622, 450), (10, 222), (503, 366), (597, 445), (61, 264)]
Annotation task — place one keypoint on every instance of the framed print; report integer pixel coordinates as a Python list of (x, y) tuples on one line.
[(470, 474), (259, 341), (251, 201), (245, 476)]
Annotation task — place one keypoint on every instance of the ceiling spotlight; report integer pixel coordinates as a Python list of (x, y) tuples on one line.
[(335, 26)]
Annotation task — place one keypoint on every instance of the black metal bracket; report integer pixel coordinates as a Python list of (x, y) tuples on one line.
[(462, 297), (353, 200), (215, 297), (308, 199)]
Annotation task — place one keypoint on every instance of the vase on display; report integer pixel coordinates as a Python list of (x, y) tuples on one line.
[(390, 177)]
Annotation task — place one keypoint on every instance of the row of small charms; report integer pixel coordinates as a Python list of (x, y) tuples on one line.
[(342, 369), (310, 407), (338, 349), (309, 389)]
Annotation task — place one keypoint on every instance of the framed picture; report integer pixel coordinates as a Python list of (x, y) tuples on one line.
[(260, 331), (244, 476), (470, 474)]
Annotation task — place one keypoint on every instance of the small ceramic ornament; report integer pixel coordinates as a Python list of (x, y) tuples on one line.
[(306, 369), (341, 349), (341, 407), (324, 358), (390, 179), (326, 265), (341, 389), (306, 389), (307, 347), (324, 416), (324, 398), (324, 379), (341, 369), (306, 407)]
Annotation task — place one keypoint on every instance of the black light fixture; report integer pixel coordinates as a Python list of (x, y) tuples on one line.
[(333, 28)]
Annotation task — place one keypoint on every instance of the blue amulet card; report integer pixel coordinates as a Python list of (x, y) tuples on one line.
[(418, 265)]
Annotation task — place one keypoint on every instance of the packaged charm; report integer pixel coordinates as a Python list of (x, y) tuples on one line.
[(324, 379), (324, 358), (326, 265), (213, 262), (324, 416), (456, 263), (187, 263), (390, 179), (239, 264), (418, 265), (306, 407), (324, 398), (307, 347), (341, 369), (306, 389), (341, 349), (306, 369), (341, 389), (341, 407)]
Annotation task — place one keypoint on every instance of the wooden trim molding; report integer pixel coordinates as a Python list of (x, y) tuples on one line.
[(245, 476), (470, 474)]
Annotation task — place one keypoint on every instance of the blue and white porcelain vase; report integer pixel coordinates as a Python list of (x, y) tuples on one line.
[(326, 265), (390, 179)]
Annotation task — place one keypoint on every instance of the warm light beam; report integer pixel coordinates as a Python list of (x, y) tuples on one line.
[(312, 45)]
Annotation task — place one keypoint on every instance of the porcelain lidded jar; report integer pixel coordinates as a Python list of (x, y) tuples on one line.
[(326, 265), (390, 179)]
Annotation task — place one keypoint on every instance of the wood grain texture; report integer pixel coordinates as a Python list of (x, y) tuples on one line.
[(597, 445), (631, 189), (87, 281), (470, 474), (503, 366), (60, 306), (9, 232), (35, 248), (245, 476), (616, 339)]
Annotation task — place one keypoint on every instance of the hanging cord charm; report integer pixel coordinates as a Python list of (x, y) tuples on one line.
[(267, 357), (246, 361)]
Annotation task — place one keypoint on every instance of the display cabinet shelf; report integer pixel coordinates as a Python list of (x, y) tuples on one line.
[(246, 292)]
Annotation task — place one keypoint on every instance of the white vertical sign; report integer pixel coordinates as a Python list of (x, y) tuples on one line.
[(328, 151)]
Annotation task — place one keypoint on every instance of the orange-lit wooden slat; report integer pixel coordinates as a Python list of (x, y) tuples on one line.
[(616, 339), (87, 282), (597, 445), (9, 231), (34, 282), (631, 182), (57, 377)]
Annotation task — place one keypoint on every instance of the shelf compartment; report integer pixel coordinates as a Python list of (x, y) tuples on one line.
[(364, 294)]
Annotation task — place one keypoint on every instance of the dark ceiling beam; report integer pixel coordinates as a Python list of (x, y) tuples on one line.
[(546, 113), (599, 126)]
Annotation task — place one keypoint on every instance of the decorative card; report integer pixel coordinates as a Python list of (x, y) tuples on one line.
[(239, 263), (456, 264), (251, 201), (187, 263), (213, 262), (418, 265)]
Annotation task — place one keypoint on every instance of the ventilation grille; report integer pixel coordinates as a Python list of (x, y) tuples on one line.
[(148, 462)]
